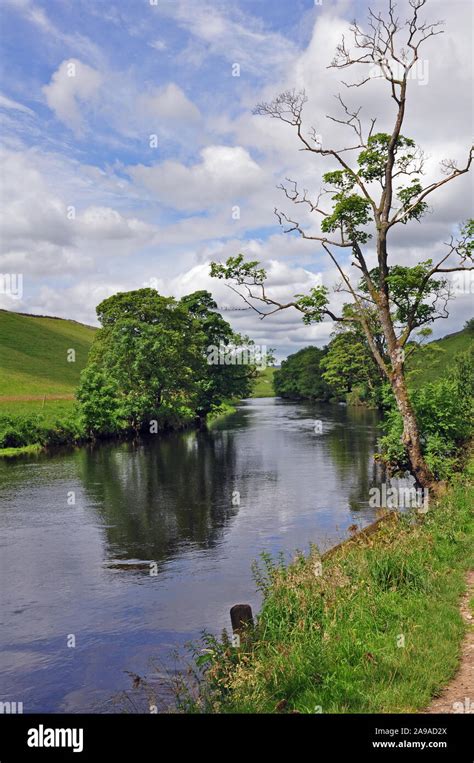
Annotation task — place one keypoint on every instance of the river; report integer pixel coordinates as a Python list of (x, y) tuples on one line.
[(113, 556)]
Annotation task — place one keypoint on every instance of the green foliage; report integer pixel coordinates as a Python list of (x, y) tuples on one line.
[(20, 431), (373, 160), (445, 412), (351, 211), (411, 291), (216, 383), (97, 396), (406, 196), (349, 366), (17, 431), (314, 304), (236, 268), (300, 376), (149, 363)]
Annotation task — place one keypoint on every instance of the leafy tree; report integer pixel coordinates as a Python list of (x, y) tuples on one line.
[(300, 376), (376, 184), (349, 366), (149, 362), (97, 395), (216, 382)]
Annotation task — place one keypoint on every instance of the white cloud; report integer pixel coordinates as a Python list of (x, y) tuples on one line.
[(72, 84), (101, 223), (225, 173), (8, 103), (168, 102), (30, 213), (158, 45), (227, 32)]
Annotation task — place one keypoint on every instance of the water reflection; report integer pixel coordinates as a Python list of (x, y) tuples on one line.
[(157, 496), (85, 568)]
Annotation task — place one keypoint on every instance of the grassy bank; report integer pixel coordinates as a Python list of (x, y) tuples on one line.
[(225, 409), (26, 450), (378, 631)]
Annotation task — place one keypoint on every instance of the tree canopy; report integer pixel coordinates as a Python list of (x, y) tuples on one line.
[(149, 363)]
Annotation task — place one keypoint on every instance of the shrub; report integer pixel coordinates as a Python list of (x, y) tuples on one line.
[(18, 431), (444, 410)]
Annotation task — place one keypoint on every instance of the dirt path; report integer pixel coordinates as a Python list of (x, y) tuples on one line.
[(458, 696)]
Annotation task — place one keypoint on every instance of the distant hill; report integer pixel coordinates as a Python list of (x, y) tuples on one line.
[(33, 354), (434, 359)]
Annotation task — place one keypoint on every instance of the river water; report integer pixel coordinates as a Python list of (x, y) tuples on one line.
[(112, 557)]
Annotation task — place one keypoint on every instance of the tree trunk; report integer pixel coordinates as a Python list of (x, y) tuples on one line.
[(411, 433)]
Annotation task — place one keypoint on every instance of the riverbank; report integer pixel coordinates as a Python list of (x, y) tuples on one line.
[(33, 424), (36, 433), (373, 627)]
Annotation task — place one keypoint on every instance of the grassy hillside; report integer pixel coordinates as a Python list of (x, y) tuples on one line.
[(33, 359), (432, 361), (264, 383)]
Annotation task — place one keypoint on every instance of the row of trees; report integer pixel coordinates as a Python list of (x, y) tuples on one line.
[(149, 367), (343, 370)]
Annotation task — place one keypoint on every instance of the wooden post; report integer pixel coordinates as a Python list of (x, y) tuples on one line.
[(241, 617)]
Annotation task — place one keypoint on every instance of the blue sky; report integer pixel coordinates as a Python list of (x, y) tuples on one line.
[(128, 142)]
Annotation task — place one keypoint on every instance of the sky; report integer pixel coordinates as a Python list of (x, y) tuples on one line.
[(131, 156)]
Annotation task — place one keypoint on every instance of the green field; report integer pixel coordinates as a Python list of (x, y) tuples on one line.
[(34, 359), (264, 383)]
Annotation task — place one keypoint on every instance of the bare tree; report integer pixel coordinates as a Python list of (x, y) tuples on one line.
[(367, 203)]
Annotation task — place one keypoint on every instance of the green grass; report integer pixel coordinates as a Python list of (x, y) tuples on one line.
[(24, 451), (433, 360), (379, 631), (33, 355), (33, 363), (225, 409), (50, 410), (264, 383)]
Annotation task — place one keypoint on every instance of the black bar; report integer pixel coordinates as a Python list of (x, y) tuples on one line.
[(155, 737)]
